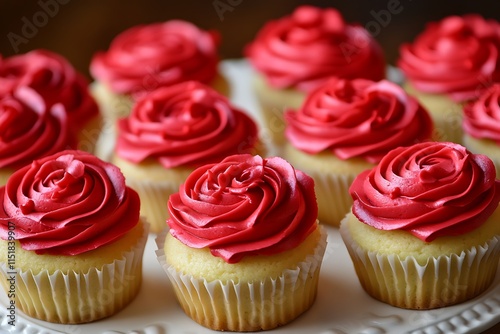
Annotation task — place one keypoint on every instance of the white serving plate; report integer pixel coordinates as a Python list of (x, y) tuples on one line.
[(341, 306)]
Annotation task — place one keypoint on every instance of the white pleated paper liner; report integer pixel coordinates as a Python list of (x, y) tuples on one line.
[(332, 192), (78, 297), (443, 281), (154, 198), (247, 306)]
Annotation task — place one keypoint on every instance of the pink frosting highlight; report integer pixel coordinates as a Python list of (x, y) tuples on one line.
[(305, 48), (185, 124), (458, 56), (146, 57), (482, 116), (357, 118), (430, 190), (244, 205), (55, 79), (67, 204)]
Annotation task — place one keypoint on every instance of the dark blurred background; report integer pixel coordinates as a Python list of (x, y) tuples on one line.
[(78, 28)]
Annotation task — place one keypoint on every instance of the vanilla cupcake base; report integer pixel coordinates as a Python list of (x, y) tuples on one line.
[(332, 179), (90, 135), (445, 113), (272, 105), (154, 184), (81, 288), (257, 293), (484, 146), (403, 274)]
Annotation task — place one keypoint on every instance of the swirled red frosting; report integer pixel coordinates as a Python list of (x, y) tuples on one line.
[(146, 57), (244, 205), (67, 204), (458, 56), (185, 124), (357, 118), (29, 129), (429, 189), (55, 79), (303, 49), (482, 116)]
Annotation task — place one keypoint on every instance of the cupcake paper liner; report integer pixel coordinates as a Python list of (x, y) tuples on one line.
[(332, 193), (246, 306), (154, 197), (443, 281), (76, 297)]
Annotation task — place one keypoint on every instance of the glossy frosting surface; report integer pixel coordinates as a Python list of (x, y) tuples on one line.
[(301, 50), (357, 118), (54, 78), (67, 204), (244, 205), (430, 189), (31, 129), (185, 124), (458, 56), (149, 56), (482, 116)]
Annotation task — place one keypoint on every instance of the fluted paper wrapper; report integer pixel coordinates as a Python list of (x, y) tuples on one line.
[(243, 306), (443, 281), (77, 297), (154, 197), (333, 197)]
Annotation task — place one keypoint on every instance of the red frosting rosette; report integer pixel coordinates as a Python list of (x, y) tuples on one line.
[(430, 189), (67, 204), (312, 44), (459, 56), (146, 57), (244, 205), (357, 118), (30, 129), (54, 78), (482, 116), (185, 124)]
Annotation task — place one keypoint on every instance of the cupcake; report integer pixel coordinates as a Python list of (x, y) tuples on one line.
[(450, 63), (424, 228), (30, 129), (170, 132), (345, 127), (243, 250), (296, 53), (62, 88), (71, 240), (481, 125), (146, 57)]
